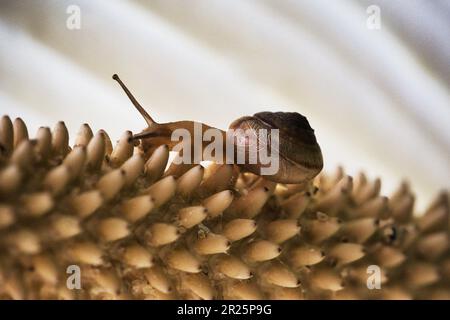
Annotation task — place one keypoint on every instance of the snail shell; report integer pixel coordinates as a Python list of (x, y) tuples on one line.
[(297, 154), (300, 157)]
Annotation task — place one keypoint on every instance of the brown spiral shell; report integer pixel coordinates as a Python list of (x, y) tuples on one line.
[(300, 157)]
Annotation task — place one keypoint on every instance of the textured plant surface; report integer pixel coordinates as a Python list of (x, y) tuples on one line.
[(138, 231)]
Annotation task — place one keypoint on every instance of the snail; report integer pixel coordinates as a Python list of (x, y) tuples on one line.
[(300, 156)]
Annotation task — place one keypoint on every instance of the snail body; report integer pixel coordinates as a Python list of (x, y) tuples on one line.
[(287, 135), (299, 153)]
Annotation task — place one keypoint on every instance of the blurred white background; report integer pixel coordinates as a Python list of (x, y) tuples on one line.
[(379, 99)]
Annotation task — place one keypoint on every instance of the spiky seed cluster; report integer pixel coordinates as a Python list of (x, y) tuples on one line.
[(138, 231)]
